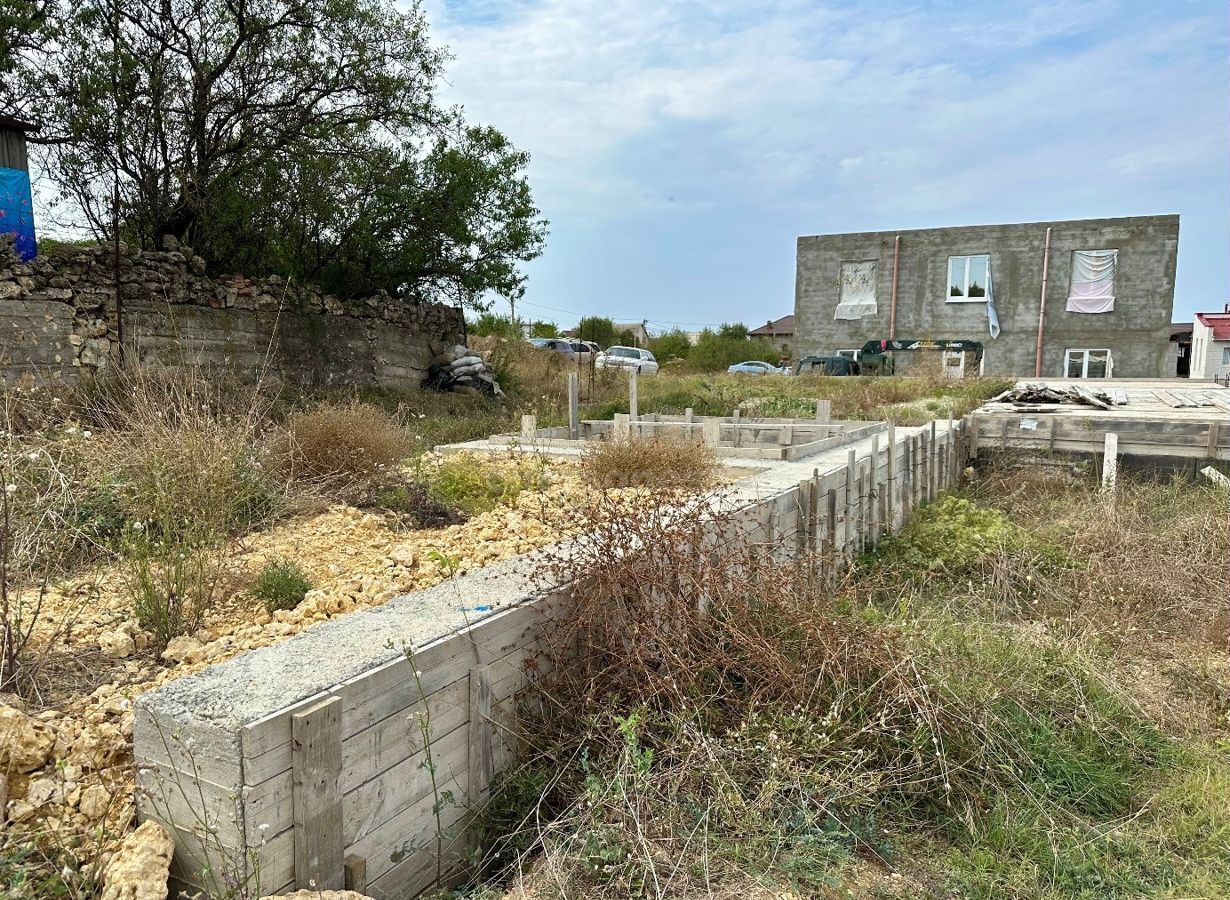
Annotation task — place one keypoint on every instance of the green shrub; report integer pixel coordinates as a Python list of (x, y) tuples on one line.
[(475, 485), (415, 504), (281, 585)]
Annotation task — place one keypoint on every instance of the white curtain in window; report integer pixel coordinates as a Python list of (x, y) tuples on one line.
[(1093, 281), (858, 290)]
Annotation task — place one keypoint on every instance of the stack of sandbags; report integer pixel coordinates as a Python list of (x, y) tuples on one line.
[(462, 369)]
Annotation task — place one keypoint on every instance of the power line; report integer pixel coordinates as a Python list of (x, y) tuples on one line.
[(574, 312)]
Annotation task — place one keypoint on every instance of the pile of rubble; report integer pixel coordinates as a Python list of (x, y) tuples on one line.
[(1039, 393), (462, 369)]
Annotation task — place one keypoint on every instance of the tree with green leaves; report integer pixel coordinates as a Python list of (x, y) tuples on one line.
[(540, 329), (598, 329), (491, 324), (298, 137), (673, 344)]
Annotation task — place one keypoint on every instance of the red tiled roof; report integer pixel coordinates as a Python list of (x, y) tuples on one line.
[(784, 325), (1219, 322)]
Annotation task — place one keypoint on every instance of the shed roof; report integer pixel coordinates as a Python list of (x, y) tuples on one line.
[(12, 124), (1218, 322)]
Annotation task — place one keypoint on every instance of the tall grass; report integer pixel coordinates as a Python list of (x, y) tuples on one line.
[(728, 721)]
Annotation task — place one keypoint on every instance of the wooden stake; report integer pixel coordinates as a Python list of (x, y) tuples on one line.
[(574, 415), (1110, 461), (632, 401)]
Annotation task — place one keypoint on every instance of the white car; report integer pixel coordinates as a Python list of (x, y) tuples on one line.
[(633, 358)]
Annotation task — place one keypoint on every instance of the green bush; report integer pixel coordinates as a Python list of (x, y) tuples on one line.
[(281, 585), (476, 485)]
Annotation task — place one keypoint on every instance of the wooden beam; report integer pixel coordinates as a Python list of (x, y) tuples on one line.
[(481, 735), (529, 426), (355, 870), (632, 399), (316, 763)]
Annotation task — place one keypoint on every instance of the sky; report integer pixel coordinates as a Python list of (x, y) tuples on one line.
[(679, 147)]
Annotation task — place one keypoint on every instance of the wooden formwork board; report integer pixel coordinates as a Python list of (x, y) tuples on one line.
[(1073, 433)]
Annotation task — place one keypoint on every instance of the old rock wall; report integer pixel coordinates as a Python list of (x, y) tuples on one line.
[(58, 321)]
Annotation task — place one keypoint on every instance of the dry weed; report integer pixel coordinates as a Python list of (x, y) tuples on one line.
[(670, 464)]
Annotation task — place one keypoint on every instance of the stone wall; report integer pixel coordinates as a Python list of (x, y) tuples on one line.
[(58, 321)]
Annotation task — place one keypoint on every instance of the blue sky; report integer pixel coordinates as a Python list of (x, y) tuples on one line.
[(679, 148)]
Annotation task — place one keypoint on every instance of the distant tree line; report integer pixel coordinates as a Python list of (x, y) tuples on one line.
[(294, 137), (714, 350)]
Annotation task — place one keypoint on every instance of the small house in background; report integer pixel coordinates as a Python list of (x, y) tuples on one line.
[(16, 197), (1211, 345), (780, 332)]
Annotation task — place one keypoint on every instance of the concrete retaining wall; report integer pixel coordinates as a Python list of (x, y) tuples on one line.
[(58, 321), (275, 767)]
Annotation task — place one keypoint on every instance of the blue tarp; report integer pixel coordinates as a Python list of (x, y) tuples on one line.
[(17, 210)]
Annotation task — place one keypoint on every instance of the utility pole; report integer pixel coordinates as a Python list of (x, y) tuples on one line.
[(115, 178)]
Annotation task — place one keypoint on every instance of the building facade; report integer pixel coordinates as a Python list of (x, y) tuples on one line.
[(1105, 310), (1211, 345)]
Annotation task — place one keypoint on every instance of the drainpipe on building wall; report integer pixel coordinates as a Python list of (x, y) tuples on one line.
[(1046, 264), (892, 309)]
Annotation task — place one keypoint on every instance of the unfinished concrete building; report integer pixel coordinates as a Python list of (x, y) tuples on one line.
[(1089, 298)]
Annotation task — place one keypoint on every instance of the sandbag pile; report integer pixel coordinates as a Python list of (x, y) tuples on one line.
[(462, 369)]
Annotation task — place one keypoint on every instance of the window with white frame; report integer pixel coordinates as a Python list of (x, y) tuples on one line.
[(969, 278), (1225, 356), (1087, 364)]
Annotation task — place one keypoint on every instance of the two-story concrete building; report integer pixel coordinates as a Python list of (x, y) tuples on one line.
[(1089, 298)]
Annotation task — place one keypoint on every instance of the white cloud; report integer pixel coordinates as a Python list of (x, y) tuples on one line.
[(852, 114)]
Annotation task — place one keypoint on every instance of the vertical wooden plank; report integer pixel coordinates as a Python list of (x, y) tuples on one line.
[(529, 426), (876, 521), (785, 436), (1211, 447), (824, 411), (932, 464), (316, 763), (1110, 461), (711, 430), (804, 502), (480, 733), (890, 480), (950, 455), (574, 416), (851, 526), (687, 415), (734, 417), (355, 871), (633, 408), (622, 429)]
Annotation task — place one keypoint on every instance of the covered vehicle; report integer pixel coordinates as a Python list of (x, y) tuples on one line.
[(630, 358), (826, 365), (756, 367)]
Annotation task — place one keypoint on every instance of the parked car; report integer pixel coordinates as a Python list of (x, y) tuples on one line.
[(633, 358), (563, 346), (757, 367)]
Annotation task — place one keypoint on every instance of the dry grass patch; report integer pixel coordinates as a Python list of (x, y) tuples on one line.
[(673, 464), (347, 442)]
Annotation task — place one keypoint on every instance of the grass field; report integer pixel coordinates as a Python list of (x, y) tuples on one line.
[(1018, 696)]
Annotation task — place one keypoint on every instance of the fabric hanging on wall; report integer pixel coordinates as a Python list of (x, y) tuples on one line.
[(17, 210), (992, 312), (1093, 281), (858, 290)]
